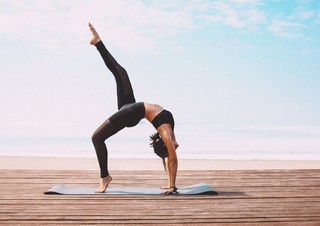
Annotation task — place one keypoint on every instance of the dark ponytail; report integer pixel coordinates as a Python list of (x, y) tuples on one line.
[(158, 145)]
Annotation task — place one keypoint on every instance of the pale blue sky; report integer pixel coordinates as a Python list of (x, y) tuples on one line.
[(232, 62)]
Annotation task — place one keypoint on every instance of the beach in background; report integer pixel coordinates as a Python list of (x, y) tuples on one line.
[(201, 147), (240, 77), (53, 163), (196, 142)]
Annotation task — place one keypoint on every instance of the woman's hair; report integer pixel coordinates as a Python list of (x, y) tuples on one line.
[(158, 145)]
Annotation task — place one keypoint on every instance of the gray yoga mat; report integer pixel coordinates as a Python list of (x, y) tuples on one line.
[(196, 189)]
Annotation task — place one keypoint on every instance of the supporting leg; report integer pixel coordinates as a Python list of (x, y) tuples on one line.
[(105, 131)]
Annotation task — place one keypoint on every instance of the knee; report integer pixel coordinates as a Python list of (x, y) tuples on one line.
[(121, 70), (103, 133), (96, 138)]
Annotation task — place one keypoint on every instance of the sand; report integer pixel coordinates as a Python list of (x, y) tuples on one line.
[(50, 163)]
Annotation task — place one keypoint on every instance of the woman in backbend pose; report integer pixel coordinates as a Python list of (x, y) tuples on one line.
[(129, 114)]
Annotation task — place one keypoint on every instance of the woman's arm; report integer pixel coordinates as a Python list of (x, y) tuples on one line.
[(172, 160)]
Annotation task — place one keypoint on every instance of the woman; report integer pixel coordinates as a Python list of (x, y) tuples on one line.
[(129, 114)]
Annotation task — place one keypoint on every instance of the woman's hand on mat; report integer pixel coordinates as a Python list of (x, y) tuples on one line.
[(170, 191)]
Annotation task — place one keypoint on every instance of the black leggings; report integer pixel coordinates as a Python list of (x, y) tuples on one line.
[(124, 88), (129, 114)]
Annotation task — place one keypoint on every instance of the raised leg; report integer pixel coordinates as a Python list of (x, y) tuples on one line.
[(124, 88)]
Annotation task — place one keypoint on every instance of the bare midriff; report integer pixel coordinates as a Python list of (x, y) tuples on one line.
[(152, 110)]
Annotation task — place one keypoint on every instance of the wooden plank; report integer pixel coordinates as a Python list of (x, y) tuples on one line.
[(269, 197)]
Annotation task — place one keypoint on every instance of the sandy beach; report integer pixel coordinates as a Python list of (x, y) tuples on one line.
[(52, 163)]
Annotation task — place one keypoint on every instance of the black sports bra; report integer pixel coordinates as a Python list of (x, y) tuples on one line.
[(162, 118)]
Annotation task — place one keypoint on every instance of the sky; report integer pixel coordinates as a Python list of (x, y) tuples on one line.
[(231, 62)]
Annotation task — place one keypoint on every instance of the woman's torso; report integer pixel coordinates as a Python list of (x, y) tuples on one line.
[(152, 110)]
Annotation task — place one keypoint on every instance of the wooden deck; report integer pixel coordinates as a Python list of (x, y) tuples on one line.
[(267, 197)]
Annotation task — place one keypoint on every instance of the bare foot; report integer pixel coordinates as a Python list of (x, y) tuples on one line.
[(104, 183), (96, 37)]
